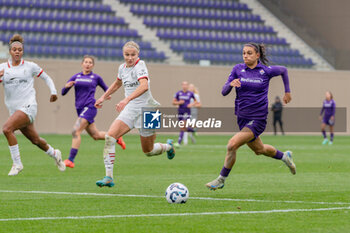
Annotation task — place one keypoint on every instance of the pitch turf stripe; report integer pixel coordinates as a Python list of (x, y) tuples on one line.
[(194, 198), (176, 214)]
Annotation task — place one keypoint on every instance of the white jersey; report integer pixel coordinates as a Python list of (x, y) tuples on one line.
[(130, 77), (18, 82)]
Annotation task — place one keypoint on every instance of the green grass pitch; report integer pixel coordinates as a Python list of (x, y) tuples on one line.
[(260, 194)]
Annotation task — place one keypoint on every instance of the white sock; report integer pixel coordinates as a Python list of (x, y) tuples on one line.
[(185, 138), (51, 151), (159, 148), (16, 158), (222, 177), (109, 155)]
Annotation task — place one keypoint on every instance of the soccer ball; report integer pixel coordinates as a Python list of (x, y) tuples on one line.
[(177, 193)]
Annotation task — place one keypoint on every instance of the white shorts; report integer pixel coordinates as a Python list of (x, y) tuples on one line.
[(29, 109), (132, 117)]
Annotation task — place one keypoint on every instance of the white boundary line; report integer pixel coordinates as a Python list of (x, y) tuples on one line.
[(193, 198), (176, 214)]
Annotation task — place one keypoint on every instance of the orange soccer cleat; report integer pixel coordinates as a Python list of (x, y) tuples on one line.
[(121, 142), (69, 163)]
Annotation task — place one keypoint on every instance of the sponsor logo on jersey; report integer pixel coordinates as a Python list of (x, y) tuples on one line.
[(130, 84), (15, 81), (252, 80), (142, 73), (83, 80)]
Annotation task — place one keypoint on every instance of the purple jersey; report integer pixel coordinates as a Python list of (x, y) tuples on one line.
[(186, 96), (251, 97), (85, 88), (328, 108)]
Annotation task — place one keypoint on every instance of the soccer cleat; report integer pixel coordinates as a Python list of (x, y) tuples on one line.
[(106, 181), (69, 163), (121, 142), (218, 183), (171, 152), (59, 163), (330, 143), (287, 159), (177, 145), (325, 141), (15, 169)]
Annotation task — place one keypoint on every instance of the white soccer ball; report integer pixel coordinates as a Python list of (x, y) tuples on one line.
[(177, 193)]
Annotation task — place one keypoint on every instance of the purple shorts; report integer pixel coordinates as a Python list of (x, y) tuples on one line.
[(184, 116), (256, 126), (327, 120), (87, 113)]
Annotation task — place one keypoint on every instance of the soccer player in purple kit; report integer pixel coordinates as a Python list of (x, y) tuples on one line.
[(328, 109), (85, 84), (183, 100), (251, 81)]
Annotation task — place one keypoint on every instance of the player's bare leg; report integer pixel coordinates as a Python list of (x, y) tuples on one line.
[(260, 148), (241, 138), (30, 133), (78, 128), (151, 149), (100, 135)]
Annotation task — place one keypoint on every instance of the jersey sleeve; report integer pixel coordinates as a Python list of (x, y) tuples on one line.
[(141, 71), (64, 89), (176, 96), (197, 98), (36, 70), (226, 89), (2, 67), (102, 84), (280, 70), (119, 73)]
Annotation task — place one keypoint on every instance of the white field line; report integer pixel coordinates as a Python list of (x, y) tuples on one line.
[(176, 214), (193, 198)]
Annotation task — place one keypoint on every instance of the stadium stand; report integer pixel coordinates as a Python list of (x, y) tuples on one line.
[(69, 29), (194, 29), (213, 30)]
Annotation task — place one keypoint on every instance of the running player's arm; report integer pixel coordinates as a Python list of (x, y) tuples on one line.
[(68, 85), (198, 104), (194, 101), (113, 88), (142, 88), (39, 72), (176, 100), (281, 70), (333, 110), (232, 81), (102, 84)]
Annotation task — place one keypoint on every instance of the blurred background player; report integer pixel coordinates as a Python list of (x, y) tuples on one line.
[(182, 99), (328, 112), (194, 114), (85, 84), (251, 81), (133, 75), (277, 109), (17, 77)]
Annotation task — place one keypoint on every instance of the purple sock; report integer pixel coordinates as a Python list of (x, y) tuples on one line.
[(225, 171), (72, 154), (180, 137), (332, 135), (278, 155), (324, 134)]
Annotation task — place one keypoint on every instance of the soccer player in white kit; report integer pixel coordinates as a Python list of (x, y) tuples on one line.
[(133, 76), (17, 77)]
